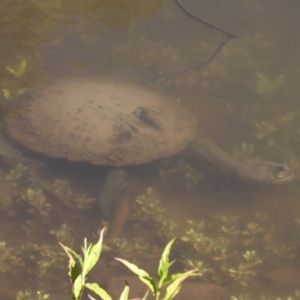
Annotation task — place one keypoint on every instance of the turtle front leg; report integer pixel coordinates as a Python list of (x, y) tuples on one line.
[(114, 201)]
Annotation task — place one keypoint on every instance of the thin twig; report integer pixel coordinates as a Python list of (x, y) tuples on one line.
[(188, 13), (227, 33), (202, 65)]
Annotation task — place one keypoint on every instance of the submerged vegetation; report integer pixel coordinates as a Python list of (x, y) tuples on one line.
[(225, 249)]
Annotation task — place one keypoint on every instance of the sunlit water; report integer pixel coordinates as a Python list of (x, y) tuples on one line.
[(246, 99)]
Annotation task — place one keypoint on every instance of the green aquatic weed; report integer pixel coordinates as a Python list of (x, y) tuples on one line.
[(11, 94), (63, 235), (19, 71), (245, 151), (16, 173), (8, 258), (83, 202), (245, 270), (132, 250), (59, 187), (267, 87), (264, 129), (37, 201), (181, 170), (287, 118), (166, 230), (62, 188), (197, 264), (29, 295), (147, 207)]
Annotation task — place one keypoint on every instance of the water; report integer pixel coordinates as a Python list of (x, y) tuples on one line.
[(246, 99)]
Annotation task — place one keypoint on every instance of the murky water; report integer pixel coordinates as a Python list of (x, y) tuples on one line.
[(242, 236)]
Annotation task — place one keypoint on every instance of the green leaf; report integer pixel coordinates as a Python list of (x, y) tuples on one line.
[(261, 82), (21, 91), (6, 93), (173, 289), (267, 87), (125, 293), (98, 290), (164, 264), (176, 276), (20, 70), (78, 286), (74, 270), (143, 275), (146, 295), (92, 255)]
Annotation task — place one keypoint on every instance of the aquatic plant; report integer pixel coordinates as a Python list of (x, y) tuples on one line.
[(79, 267), (20, 69), (147, 212), (135, 250), (63, 189), (9, 87), (180, 170), (266, 87), (147, 207), (9, 259), (244, 151), (17, 173), (46, 265), (30, 295), (63, 235), (295, 296), (172, 283), (37, 202)]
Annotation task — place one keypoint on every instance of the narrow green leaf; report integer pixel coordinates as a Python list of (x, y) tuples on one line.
[(74, 270), (143, 275), (176, 276), (267, 87), (146, 295), (98, 290), (6, 93), (21, 68), (279, 79), (261, 82), (164, 264), (136, 270), (72, 253), (21, 91), (150, 284), (125, 293), (10, 70), (76, 256), (93, 255), (173, 289), (78, 286)]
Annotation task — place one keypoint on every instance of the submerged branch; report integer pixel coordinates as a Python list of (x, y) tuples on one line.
[(222, 44)]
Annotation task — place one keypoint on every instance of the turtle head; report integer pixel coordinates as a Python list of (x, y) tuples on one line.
[(265, 172)]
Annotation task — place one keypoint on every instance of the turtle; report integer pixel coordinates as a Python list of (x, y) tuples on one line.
[(118, 124)]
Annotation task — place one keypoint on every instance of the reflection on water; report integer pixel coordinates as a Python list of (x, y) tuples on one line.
[(242, 236)]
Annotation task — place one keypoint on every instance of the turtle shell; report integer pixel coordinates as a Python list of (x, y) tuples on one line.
[(101, 122)]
